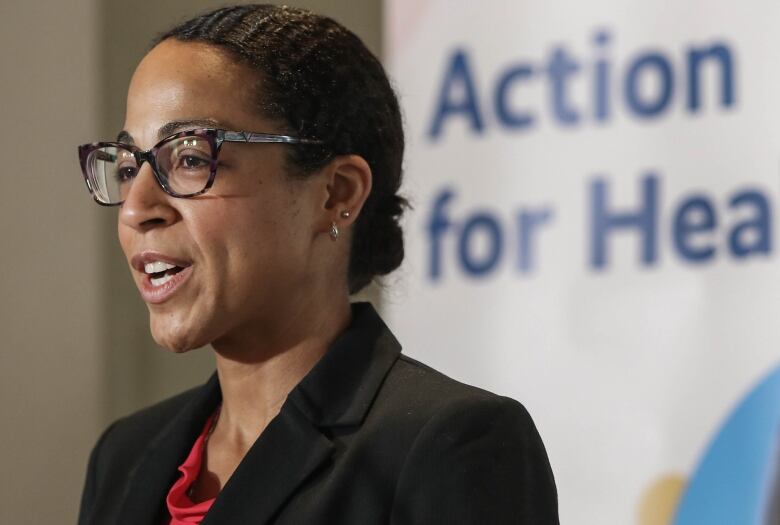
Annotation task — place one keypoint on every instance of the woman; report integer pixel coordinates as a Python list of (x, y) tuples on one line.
[(257, 174)]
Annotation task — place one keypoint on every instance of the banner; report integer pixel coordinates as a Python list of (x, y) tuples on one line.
[(594, 233)]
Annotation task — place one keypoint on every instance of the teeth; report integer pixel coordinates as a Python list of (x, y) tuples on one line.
[(160, 281), (157, 267)]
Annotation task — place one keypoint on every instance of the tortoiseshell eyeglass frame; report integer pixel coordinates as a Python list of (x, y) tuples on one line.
[(215, 138)]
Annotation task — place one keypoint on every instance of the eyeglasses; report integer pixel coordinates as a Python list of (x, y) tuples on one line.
[(184, 164)]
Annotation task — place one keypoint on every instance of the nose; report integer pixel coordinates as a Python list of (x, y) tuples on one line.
[(146, 205)]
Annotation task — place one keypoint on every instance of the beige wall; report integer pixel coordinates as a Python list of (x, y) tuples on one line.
[(50, 361), (75, 350)]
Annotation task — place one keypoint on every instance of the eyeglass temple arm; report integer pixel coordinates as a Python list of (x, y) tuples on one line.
[(246, 136)]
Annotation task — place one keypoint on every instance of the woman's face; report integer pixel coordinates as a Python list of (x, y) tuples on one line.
[(245, 249)]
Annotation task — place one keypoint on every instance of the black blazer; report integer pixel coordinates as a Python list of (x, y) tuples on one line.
[(369, 436)]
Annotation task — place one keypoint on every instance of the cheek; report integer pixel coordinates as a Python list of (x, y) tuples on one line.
[(260, 234), (255, 246), (231, 242), (125, 236), (269, 249)]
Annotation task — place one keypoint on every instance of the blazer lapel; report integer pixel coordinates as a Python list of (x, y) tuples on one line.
[(341, 388), (157, 470), (287, 452)]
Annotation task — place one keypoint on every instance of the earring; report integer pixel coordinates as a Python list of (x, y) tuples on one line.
[(334, 231), (345, 214)]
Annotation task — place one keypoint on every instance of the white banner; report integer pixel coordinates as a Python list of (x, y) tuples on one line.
[(595, 188)]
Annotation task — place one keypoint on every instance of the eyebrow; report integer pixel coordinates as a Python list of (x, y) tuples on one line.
[(169, 128)]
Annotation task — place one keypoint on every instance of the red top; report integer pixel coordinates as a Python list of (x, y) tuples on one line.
[(181, 508)]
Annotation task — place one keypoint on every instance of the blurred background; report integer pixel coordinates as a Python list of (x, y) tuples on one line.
[(595, 188), (76, 351)]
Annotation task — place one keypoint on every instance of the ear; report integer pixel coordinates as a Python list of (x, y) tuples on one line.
[(348, 185)]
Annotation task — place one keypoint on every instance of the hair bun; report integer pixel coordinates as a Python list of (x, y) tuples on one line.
[(378, 241)]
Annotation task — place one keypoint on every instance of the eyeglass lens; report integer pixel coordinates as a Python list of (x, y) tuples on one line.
[(183, 163)]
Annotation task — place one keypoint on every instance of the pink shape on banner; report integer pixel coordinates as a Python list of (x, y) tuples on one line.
[(402, 19)]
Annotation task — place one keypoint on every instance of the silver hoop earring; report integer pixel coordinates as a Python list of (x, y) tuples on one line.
[(334, 231)]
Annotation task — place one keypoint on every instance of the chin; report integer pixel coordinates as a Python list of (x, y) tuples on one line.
[(176, 338)]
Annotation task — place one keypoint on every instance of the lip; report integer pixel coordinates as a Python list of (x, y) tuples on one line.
[(159, 294)]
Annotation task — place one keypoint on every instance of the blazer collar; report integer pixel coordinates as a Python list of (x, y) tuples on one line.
[(338, 391), (341, 387)]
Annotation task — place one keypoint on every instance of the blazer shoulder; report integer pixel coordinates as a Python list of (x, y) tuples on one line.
[(415, 397), (436, 391), (475, 456)]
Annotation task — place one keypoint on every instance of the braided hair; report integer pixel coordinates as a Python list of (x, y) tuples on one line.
[(318, 80)]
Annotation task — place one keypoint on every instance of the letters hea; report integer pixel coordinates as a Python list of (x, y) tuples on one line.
[(695, 224)]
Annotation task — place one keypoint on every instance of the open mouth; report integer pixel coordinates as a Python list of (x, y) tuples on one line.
[(160, 272)]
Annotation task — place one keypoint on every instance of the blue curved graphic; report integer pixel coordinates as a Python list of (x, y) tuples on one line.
[(735, 478)]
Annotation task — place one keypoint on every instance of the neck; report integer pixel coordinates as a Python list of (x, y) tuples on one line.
[(257, 371)]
